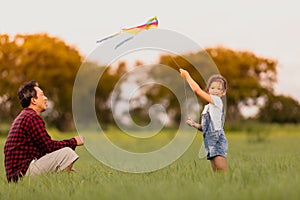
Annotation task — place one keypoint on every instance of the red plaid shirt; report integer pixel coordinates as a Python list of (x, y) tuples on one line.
[(28, 139)]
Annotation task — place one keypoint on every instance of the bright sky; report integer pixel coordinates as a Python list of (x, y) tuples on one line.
[(269, 28)]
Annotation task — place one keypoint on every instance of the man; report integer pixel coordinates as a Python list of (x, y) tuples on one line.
[(29, 150)]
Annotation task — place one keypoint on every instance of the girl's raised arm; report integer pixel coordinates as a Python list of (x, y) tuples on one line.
[(195, 87)]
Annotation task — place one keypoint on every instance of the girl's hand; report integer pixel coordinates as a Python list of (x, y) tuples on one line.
[(192, 123), (184, 73)]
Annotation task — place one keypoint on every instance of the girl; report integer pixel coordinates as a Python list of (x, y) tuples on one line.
[(212, 122)]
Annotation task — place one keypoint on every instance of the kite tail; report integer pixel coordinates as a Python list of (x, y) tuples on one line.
[(151, 23), (111, 36), (118, 45)]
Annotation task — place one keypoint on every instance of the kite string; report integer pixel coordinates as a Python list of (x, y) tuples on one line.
[(202, 152), (185, 85)]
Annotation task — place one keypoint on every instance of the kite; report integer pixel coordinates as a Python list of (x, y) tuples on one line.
[(151, 23)]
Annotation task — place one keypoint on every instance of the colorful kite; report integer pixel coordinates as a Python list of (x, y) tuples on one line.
[(151, 23)]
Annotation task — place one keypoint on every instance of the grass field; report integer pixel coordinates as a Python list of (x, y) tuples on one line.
[(262, 165)]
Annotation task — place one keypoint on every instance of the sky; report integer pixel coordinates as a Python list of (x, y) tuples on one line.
[(268, 28)]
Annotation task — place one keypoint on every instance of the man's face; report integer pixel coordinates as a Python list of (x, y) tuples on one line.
[(40, 100)]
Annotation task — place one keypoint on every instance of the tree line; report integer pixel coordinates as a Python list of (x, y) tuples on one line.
[(54, 64)]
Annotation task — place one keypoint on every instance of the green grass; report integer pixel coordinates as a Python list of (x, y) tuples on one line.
[(258, 169)]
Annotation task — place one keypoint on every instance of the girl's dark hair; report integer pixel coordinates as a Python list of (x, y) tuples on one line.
[(26, 92), (218, 78)]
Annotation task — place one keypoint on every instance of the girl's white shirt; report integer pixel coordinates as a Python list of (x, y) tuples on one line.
[(215, 111)]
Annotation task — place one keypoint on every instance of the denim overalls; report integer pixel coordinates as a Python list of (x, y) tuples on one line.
[(215, 141)]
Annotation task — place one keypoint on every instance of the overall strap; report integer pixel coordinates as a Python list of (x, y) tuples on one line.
[(223, 117)]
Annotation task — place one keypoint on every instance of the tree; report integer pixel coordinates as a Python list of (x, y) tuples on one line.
[(48, 60), (249, 77), (104, 91), (280, 109)]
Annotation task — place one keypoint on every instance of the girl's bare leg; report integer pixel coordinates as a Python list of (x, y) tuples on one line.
[(219, 164), (213, 165)]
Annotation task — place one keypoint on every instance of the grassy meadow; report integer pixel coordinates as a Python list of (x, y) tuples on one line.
[(263, 162)]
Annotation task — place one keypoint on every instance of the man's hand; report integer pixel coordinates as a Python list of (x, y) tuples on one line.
[(80, 140)]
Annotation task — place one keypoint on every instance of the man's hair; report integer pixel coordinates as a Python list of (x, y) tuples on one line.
[(26, 92)]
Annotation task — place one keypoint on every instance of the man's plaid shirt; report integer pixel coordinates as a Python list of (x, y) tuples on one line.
[(27, 140)]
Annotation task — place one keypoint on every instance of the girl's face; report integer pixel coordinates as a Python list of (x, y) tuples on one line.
[(216, 88)]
